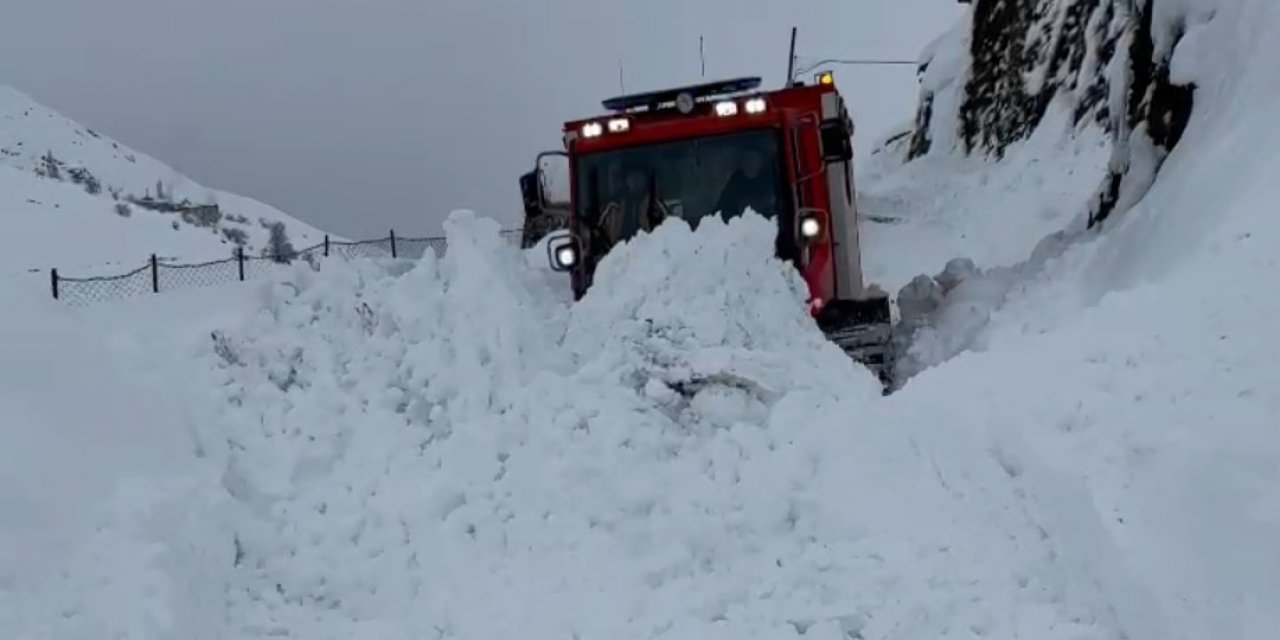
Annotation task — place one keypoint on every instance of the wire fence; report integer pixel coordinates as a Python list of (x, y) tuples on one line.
[(157, 275)]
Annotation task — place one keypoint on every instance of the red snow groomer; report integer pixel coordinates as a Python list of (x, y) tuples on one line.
[(719, 148)]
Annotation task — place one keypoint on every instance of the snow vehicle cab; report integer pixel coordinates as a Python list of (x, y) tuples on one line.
[(718, 148)]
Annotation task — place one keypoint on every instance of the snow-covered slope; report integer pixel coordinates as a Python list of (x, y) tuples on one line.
[(74, 199), (1129, 377)]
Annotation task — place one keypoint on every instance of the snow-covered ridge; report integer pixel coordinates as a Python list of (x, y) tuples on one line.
[(82, 202)]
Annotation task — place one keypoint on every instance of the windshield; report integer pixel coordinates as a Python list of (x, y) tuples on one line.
[(623, 192)]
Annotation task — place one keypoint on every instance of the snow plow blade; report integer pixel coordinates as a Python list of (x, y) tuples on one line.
[(863, 329)]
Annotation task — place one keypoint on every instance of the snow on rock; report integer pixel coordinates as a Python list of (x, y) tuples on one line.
[(65, 188), (452, 451), (943, 67)]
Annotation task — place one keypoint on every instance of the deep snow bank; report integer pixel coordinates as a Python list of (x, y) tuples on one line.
[(452, 451), (107, 524)]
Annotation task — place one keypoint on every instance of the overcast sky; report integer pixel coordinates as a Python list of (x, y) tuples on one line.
[(362, 115)]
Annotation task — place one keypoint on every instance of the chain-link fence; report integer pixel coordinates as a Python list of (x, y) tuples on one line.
[(156, 275)]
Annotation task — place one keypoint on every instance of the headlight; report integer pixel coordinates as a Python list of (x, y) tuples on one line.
[(618, 125), (566, 257), (592, 129), (810, 227), (756, 105), (726, 108), (562, 251)]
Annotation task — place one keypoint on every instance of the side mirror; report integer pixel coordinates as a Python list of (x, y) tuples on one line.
[(564, 252), (552, 180), (837, 145)]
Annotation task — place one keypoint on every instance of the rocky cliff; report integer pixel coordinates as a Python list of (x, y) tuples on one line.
[(989, 82)]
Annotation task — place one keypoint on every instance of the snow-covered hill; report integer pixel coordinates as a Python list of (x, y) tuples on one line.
[(74, 199)]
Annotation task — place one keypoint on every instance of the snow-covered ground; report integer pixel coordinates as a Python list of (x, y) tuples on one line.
[(450, 449), (79, 218)]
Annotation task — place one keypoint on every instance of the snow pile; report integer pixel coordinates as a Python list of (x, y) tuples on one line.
[(680, 455), (64, 188), (681, 324)]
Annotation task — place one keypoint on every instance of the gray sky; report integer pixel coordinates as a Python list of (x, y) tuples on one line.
[(362, 115)]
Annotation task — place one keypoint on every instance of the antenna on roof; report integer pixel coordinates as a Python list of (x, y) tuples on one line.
[(702, 56), (622, 86), (791, 59)]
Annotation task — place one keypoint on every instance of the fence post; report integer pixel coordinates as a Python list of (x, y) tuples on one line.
[(393, 243), (326, 245), (155, 275), (240, 261), (53, 281)]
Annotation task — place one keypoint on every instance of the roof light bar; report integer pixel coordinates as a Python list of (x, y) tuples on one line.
[(653, 99)]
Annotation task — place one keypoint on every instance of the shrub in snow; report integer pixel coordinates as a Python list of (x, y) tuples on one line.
[(49, 167), (123, 209), (237, 236), (82, 176), (279, 248)]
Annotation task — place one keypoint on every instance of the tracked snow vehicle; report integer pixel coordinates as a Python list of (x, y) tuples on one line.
[(719, 148)]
